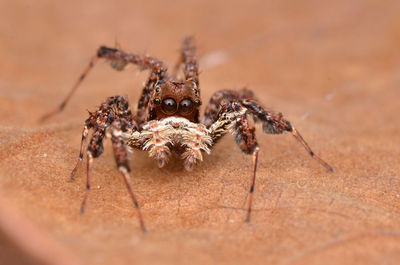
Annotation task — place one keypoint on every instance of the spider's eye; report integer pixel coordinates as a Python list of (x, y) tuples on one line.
[(186, 106), (169, 105)]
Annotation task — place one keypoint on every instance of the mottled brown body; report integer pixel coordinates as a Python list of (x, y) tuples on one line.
[(167, 119)]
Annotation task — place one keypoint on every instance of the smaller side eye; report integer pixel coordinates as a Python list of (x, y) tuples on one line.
[(157, 101), (157, 85), (186, 106), (169, 105)]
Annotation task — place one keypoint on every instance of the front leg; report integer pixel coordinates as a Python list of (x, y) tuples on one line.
[(220, 99), (227, 105), (274, 123), (232, 115), (112, 118)]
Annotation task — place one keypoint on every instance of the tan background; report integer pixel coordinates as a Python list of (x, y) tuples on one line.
[(332, 67)]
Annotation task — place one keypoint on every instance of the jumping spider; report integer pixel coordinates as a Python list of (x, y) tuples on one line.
[(167, 118)]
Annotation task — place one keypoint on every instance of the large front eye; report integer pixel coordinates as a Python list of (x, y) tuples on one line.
[(169, 105), (186, 106)]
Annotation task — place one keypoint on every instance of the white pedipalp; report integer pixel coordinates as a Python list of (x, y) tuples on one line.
[(158, 136)]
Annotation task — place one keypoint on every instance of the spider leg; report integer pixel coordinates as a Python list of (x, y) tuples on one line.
[(95, 149), (298, 137), (121, 158), (72, 91), (189, 59), (274, 123), (246, 139), (233, 116), (219, 99), (253, 182), (89, 163), (83, 142), (118, 60), (114, 115), (191, 69), (177, 66), (228, 109)]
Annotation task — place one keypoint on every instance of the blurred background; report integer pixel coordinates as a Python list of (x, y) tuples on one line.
[(331, 67)]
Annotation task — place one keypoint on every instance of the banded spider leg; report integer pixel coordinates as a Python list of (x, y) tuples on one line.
[(229, 109)]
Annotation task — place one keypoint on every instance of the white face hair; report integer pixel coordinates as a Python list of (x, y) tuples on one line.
[(158, 136)]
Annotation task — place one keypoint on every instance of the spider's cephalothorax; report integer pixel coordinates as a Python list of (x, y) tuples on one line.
[(167, 118), (179, 99)]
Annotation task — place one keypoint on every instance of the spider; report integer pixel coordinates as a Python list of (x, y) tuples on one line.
[(167, 119)]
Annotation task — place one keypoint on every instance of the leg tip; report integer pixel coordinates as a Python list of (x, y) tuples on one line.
[(330, 169), (82, 210), (247, 220), (72, 177), (144, 230)]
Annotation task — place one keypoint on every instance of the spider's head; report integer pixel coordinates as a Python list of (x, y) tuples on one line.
[(180, 99)]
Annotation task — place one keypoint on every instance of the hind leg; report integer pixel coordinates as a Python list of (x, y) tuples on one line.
[(189, 60), (118, 60)]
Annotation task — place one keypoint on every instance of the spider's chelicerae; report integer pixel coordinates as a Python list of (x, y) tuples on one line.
[(167, 118)]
